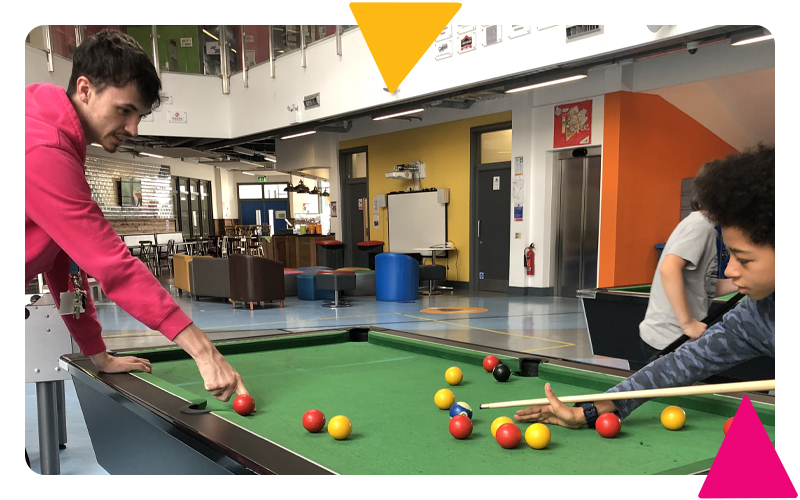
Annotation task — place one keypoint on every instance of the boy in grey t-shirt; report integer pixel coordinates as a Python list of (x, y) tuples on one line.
[(684, 284)]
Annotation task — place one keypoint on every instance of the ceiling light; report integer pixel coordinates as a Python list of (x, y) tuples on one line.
[(301, 188), (234, 50), (398, 114), (148, 154), (289, 188), (209, 34), (300, 134), (751, 36), (314, 191), (325, 193), (248, 173), (270, 158), (545, 84)]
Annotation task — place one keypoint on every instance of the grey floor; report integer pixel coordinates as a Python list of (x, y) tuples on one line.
[(550, 326)]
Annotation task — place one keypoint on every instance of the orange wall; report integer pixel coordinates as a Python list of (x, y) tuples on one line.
[(649, 146)]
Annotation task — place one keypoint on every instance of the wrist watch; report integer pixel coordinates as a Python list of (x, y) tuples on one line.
[(589, 412)]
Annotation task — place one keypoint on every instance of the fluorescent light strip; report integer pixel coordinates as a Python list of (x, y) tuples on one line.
[(545, 84), (247, 173), (753, 40), (148, 154), (209, 34), (298, 135), (269, 158), (399, 114)]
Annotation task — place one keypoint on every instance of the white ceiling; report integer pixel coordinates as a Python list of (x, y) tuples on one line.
[(739, 109)]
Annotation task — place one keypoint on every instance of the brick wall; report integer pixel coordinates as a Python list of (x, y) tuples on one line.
[(103, 174), (143, 226)]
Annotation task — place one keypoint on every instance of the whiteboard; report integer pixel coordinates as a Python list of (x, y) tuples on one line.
[(416, 220)]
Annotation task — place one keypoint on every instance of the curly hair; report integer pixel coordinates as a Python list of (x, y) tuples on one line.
[(739, 191), (114, 58)]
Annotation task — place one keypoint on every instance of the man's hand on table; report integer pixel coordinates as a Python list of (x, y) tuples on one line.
[(112, 364), (220, 378)]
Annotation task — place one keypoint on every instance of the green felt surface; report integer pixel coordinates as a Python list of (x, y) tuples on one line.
[(645, 290), (386, 388)]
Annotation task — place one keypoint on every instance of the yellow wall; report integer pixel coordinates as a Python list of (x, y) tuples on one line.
[(445, 148)]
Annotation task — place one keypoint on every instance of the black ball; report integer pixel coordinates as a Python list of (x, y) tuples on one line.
[(501, 372)]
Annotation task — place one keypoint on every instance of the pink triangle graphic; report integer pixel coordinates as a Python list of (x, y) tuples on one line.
[(747, 465)]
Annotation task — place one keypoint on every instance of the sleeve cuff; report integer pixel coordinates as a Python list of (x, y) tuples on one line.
[(174, 323)]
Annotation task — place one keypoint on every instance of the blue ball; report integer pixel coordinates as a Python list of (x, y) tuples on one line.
[(461, 408)]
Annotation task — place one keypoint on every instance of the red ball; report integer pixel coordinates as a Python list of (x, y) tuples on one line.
[(727, 425), (489, 362), (313, 420), (460, 426), (244, 404), (508, 435), (608, 425)]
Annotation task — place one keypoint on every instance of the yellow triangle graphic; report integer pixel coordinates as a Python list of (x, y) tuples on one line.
[(398, 34)]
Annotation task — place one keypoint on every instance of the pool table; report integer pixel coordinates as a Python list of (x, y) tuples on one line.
[(613, 316), (384, 382)]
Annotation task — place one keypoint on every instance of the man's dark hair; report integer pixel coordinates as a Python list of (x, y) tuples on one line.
[(113, 58), (739, 191)]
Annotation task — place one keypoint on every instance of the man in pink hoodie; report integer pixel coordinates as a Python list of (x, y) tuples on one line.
[(113, 85)]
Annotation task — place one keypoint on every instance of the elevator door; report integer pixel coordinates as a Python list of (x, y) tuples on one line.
[(578, 224)]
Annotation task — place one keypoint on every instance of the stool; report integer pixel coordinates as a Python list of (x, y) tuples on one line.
[(314, 269), (337, 282), (431, 274), (367, 252), (290, 281), (365, 283), (396, 277), (330, 253), (307, 289)]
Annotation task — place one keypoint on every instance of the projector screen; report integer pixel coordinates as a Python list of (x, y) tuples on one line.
[(416, 220)]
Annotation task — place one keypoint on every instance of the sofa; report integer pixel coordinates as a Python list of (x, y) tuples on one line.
[(209, 278)]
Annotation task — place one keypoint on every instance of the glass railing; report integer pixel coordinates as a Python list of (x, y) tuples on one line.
[(197, 49)]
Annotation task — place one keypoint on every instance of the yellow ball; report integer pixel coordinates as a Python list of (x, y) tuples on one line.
[(340, 427), (453, 375), (498, 422), (444, 399), (673, 418), (537, 436)]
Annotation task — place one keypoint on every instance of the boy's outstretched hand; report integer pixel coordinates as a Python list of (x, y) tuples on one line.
[(554, 413)]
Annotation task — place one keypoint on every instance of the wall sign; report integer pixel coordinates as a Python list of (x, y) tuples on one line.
[(212, 48), (177, 117), (444, 49), (463, 28), (186, 42), (445, 33), (491, 34), (466, 42), (519, 30), (496, 183), (572, 124), (262, 179), (311, 101)]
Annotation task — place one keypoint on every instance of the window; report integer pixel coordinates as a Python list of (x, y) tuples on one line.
[(496, 146), (193, 206), (251, 192), (275, 191)]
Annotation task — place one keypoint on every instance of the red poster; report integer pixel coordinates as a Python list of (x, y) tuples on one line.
[(572, 124)]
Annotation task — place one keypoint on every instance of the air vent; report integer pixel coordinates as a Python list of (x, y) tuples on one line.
[(581, 31)]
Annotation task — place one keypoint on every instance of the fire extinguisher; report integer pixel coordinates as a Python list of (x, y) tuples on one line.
[(529, 255)]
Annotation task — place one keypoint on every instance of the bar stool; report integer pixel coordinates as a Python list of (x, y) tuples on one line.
[(338, 282), (148, 255)]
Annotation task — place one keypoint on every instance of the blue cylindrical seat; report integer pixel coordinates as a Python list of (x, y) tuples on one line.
[(396, 277)]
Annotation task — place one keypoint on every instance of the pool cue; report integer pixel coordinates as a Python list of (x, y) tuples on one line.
[(755, 385), (708, 320)]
